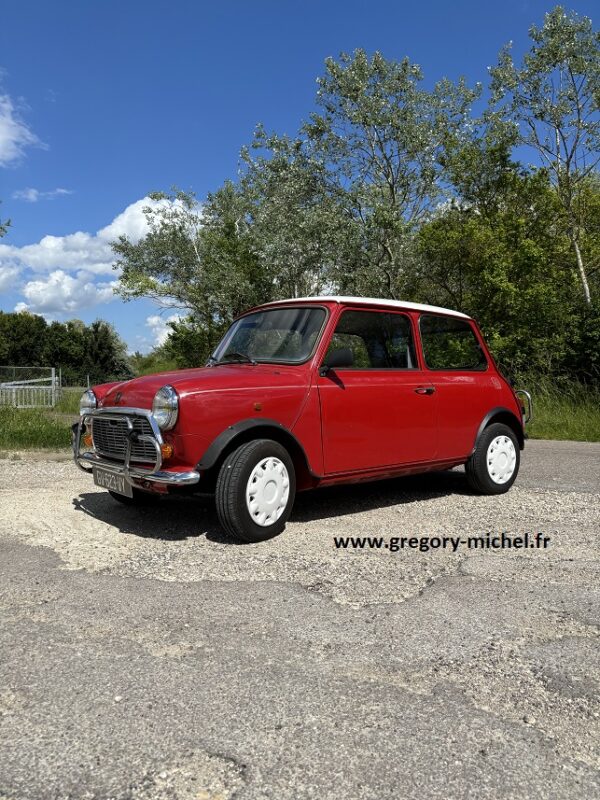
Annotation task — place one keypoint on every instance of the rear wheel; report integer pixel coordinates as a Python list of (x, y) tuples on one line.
[(493, 467), (255, 490)]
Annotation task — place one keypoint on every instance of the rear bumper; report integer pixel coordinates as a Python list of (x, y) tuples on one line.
[(136, 475), (527, 411)]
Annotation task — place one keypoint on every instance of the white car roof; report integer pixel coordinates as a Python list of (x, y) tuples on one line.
[(375, 301)]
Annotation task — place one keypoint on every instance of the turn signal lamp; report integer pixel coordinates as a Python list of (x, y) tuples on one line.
[(166, 450), (87, 440)]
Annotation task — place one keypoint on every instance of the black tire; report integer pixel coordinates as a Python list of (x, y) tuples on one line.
[(139, 498), (232, 483), (478, 467)]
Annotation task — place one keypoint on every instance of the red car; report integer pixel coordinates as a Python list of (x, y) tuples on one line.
[(305, 393)]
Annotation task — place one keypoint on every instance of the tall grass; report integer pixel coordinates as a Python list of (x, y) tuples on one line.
[(32, 427), (564, 410), (68, 402)]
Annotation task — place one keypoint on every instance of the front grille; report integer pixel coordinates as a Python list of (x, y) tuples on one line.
[(110, 438)]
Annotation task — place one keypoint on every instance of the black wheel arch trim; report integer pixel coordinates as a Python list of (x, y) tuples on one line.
[(501, 411), (215, 450)]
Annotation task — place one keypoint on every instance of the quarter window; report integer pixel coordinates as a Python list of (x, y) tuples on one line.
[(377, 340), (450, 343)]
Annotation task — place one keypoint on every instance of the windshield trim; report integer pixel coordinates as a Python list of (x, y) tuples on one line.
[(275, 307)]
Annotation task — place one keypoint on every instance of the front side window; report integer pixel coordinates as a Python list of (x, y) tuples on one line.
[(450, 343), (377, 340), (275, 335)]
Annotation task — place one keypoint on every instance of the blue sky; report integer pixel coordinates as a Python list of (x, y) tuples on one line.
[(102, 102)]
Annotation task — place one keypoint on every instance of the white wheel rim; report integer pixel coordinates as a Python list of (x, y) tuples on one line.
[(501, 459), (267, 491)]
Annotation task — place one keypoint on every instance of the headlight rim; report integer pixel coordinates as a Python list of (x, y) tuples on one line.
[(85, 408), (166, 416)]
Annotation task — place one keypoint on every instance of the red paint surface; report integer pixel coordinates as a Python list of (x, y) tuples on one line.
[(353, 424)]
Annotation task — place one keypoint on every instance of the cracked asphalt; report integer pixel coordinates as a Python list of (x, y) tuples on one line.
[(145, 656)]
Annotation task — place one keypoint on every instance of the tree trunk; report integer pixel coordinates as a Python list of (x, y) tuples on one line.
[(581, 270)]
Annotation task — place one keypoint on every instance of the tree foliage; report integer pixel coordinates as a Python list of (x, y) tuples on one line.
[(395, 190), (27, 340), (554, 100)]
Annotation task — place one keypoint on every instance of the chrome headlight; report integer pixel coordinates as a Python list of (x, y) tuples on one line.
[(165, 407), (88, 402)]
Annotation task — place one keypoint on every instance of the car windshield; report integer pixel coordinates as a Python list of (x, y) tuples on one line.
[(276, 335)]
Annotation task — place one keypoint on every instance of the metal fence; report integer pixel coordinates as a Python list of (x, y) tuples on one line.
[(29, 387)]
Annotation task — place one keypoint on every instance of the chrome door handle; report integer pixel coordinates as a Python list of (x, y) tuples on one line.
[(425, 389)]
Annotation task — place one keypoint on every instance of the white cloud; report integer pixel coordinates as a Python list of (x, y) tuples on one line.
[(81, 250), (63, 293), (159, 326), (63, 274), (31, 195), (131, 222), (8, 277), (15, 135)]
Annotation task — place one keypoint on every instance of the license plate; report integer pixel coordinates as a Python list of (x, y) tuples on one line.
[(109, 480)]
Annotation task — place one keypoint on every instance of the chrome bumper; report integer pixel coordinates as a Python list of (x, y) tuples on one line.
[(528, 415), (134, 474)]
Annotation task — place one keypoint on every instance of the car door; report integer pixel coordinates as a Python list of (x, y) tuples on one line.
[(379, 412), (464, 386)]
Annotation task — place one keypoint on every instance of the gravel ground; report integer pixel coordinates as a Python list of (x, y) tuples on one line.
[(144, 655)]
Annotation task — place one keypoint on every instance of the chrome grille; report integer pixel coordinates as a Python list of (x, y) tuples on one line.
[(110, 438)]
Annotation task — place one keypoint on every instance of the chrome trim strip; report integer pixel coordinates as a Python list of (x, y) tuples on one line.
[(85, 461)]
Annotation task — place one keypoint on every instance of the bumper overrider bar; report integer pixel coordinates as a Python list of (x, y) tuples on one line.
[(86, 461)]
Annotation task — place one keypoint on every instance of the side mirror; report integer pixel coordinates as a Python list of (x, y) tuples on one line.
[(342, 357)]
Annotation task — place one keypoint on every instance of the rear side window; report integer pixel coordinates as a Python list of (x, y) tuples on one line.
[(377, 340), (450, 343)]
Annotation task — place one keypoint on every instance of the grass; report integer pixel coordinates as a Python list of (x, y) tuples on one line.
[(68, 402), (22, 428), (563, 411)]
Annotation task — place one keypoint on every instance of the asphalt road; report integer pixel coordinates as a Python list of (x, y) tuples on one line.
[(145, 656)]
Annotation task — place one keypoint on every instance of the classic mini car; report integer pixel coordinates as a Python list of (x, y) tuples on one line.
[(305, 393)]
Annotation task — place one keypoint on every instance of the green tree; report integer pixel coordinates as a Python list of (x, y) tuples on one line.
[(26, 340), (381, 136), (334, 207), (198, 258), (22, 339), (297, 231), (65, 347), (504, 263), (554, 100), (155, 361), (105, 354)]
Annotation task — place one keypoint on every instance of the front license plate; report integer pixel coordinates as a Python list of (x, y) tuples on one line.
[(109, 480)]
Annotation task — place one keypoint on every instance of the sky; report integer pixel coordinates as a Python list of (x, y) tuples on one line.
[(102, 102)]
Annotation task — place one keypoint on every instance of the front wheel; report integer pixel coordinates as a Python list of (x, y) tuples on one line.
[(493, 467), (255, 490)]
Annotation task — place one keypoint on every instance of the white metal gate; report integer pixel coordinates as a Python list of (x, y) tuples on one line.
[(22, 390)]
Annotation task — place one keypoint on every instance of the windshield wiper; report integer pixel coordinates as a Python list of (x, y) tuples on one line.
[(232, 358)]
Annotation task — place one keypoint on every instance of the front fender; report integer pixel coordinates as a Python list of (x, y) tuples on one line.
[(250, 429)]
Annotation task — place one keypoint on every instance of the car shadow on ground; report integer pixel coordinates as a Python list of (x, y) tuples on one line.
[(337, 501), (170, 518), (179, 518)]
